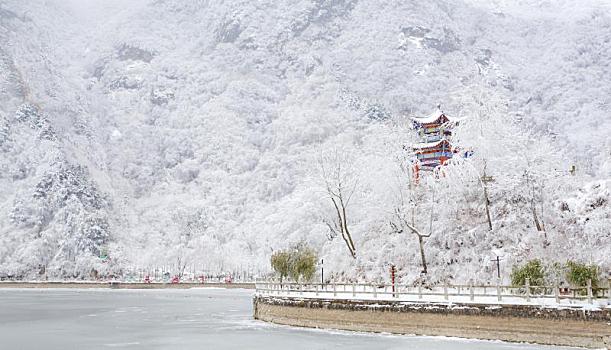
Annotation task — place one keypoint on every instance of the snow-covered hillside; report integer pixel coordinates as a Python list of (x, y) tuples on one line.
[(159, 130)]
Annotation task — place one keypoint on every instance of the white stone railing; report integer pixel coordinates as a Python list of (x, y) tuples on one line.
[(482, 294)]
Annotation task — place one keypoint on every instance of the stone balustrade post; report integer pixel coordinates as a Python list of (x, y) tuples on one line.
[(471, 291), (528, 289), (445, 290)]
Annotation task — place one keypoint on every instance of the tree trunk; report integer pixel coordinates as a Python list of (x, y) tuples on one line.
[(422, 257), (484, 179), (343, 226), (349, 238), (487, 205), (536, 219), (539, 225)]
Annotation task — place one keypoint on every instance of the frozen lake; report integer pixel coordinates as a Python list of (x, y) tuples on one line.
[(177, 319)]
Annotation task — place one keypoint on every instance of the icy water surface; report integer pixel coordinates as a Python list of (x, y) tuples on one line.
[(178, 319)]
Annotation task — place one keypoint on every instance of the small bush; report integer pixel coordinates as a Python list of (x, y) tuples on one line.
[(533, 270), (304, 263), (298, 262), (578, 274), (281, 263)]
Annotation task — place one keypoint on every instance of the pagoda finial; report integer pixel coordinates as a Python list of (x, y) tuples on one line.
[(439, 106)]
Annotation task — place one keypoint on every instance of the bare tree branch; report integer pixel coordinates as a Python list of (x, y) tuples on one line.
[(340, 195), (402, 221)]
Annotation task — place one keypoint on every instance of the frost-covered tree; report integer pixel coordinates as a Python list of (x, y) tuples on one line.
[(67, 217), (504, 156), (340, 183), (4, 132), (181, 249), (35, 119), (414, 207)]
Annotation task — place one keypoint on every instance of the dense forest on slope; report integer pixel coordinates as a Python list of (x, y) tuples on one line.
[(162, 131)]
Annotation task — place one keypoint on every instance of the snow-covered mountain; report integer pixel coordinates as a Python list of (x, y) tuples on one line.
[(158, 130)]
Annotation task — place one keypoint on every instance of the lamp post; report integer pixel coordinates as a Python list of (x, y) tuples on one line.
[(498, 266), (393, 271), (322, 271)]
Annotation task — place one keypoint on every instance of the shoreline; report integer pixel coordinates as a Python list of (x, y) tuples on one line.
[(511, 323), (120, 285)]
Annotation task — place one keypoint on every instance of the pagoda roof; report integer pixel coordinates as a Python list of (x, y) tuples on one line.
[(429, 144), (433, 118)]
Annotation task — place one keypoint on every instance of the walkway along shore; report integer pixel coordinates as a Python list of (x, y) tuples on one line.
[(578, 325), (124, 285)]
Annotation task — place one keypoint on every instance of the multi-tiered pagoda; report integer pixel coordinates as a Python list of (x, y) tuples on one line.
[(435, 148)]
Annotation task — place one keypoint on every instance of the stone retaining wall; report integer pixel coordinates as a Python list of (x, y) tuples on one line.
[(515, 323)]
